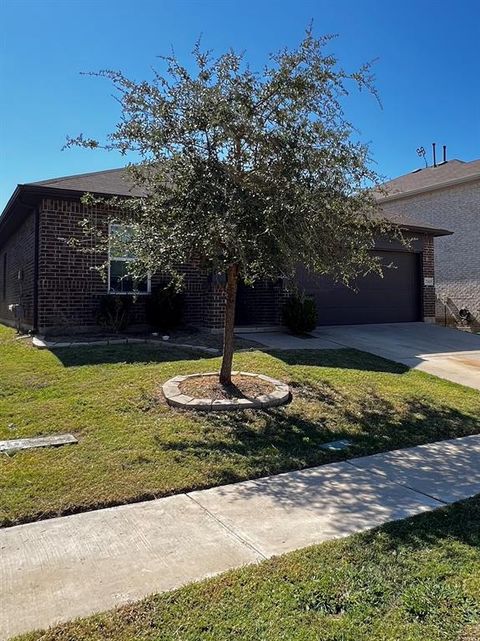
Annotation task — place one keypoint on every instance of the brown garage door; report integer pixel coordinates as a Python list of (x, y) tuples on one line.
[(395, 298)]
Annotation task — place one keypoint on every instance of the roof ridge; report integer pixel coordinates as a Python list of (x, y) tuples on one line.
[(439, 164), (432, 167), (88, 173)]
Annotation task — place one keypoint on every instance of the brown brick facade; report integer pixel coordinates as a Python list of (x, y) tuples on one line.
[(17, 275), (70, 285), (72, 281)]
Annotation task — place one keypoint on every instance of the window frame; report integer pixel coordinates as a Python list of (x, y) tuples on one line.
[(124, 259)]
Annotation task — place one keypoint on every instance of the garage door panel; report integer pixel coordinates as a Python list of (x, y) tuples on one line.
[(393, 298)]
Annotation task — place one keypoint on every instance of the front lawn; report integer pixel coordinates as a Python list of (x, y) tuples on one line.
[(414, 580), (132, 446)]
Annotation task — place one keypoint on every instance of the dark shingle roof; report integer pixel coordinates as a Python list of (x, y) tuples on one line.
[(114, 182), (431, 178)]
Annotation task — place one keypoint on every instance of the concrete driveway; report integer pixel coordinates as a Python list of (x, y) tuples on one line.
[(444, 352)]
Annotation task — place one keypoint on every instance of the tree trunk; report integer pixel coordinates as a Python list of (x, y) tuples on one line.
[(228, 335)]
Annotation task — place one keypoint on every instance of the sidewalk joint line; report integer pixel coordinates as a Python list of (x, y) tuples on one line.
[(385, 476), (229, 529)]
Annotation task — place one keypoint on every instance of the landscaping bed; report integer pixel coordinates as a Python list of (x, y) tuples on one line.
[(415, 580), (210, 387), (132, 446), (181, 337), (205, 392)]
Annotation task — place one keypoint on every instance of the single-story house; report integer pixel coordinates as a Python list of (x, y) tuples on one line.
[(445, 195), (55, 288)]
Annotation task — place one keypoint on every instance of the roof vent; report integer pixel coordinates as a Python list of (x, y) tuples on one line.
[(422, 154)]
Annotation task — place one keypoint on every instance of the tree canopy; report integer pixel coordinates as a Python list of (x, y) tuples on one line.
[(257, 169), (248, 171)]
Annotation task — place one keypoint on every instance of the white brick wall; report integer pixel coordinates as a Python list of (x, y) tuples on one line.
[(457, 257)]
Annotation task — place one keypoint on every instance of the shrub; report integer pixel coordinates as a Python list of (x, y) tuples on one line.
[(114, 312), (300, 313), (164, 309)]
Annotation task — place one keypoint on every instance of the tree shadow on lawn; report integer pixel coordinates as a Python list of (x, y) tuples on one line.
[(344, 358), (159, 353), (459, 521), (128, 354), (339, 499), (280, 439)]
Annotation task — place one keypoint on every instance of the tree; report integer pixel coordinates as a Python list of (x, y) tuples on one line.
[(252, 173)]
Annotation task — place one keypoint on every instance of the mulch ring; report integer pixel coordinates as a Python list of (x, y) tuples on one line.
[(210, 387)]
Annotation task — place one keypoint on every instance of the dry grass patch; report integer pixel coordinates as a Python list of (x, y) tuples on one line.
[(210, 387)]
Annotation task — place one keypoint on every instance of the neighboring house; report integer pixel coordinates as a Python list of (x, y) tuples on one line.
[(448, 196), (56, 287)]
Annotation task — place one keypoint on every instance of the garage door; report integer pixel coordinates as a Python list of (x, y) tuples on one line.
[(395, 298)]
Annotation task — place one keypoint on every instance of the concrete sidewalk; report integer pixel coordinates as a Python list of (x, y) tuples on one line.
[(58, 569)]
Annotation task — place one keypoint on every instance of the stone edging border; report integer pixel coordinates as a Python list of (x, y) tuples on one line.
[(42, 343), (175, 397)]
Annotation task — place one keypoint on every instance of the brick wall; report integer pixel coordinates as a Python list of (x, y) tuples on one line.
[(457, 263), (262, 304), (17, 254), (71, 285), (428, 271)]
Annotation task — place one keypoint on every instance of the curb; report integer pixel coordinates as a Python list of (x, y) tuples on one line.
[(176, 398), (41, 343)]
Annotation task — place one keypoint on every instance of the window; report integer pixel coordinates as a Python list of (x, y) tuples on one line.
[(119, 280)]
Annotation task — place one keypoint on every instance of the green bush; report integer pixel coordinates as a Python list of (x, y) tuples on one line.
[(164, 309), (114, 312), (300, 313)]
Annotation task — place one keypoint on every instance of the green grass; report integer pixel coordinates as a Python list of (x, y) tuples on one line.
[(414, 580), (132, 446)]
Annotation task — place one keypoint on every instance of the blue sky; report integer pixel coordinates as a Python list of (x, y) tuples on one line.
[(427, 73)]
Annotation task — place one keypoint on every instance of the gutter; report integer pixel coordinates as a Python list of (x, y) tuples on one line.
[(432, 231)]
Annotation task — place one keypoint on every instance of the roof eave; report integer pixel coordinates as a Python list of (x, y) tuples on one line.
[(41, 190), (45, 190), (32, 193), (432, 231), (15, 212), (10, 202)]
